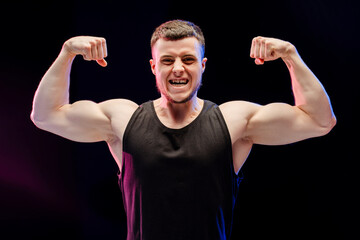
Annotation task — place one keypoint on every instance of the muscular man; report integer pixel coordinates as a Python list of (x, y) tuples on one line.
[(179, 155)]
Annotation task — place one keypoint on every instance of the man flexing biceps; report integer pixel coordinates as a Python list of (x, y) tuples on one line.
[(179, 155)]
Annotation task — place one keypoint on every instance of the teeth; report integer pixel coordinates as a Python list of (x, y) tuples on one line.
[(179, 81)]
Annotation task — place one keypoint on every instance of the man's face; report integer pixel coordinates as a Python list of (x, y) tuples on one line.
[(178, 67)]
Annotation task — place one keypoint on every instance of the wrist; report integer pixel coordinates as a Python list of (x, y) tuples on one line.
[(290, 54), (66, 55), (65, 51)]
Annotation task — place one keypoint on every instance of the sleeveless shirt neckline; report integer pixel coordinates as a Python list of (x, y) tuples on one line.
[(205, 105)]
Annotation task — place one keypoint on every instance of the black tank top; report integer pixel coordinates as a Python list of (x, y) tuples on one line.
[(178, 183)]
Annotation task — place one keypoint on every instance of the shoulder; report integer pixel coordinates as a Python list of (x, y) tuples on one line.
[(119, 101), (118, 106), (119, 112), (239, 109), (236, 115)]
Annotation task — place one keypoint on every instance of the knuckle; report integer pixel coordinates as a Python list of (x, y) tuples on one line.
[(87, 47)]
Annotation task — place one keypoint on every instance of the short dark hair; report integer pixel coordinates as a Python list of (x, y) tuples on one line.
[(176, 30)]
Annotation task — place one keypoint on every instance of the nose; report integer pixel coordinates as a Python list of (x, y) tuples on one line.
[(178, 68)]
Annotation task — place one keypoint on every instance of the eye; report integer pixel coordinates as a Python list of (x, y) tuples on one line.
[(167, 61), (189, 60)]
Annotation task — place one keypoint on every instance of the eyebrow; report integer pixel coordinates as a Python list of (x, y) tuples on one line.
[(186, 55), (164, 56), (189, 55)]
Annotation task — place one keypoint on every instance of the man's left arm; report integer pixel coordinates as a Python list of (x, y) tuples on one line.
[(279, 123)]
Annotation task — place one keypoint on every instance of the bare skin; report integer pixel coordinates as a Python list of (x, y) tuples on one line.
[(178, 67)]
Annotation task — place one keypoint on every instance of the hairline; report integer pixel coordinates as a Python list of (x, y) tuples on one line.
[(202, 52)]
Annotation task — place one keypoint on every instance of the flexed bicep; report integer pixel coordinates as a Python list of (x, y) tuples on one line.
[(82, 121), (280, 123)]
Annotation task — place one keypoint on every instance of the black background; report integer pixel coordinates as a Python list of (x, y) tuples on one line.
[(52, 188)]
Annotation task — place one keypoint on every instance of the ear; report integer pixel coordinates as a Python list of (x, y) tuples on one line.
[(203, 64), (152, 65)]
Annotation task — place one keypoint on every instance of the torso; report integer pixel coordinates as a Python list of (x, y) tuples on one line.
[(240, 147), (178, 181)]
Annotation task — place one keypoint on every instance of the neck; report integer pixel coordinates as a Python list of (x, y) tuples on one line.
[(179, 113)]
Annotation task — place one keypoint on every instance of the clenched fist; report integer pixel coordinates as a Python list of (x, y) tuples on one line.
[(268, 49), (91, 48)]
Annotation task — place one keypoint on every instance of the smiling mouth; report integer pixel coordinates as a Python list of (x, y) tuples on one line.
[(178, 82)]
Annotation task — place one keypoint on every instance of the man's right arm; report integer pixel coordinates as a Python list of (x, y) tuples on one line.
[(83, 121)]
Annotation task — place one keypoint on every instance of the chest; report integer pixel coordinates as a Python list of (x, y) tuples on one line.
[(200, 146), (189, 149), (175, 121)]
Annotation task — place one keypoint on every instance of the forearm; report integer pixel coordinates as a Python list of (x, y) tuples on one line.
[(53, 90), (310, 95)]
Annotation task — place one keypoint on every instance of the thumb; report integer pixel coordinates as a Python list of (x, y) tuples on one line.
[(259, 61), (102, 62)]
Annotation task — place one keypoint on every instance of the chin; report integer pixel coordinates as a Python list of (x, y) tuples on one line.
[(177, 99), (181, 100)]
